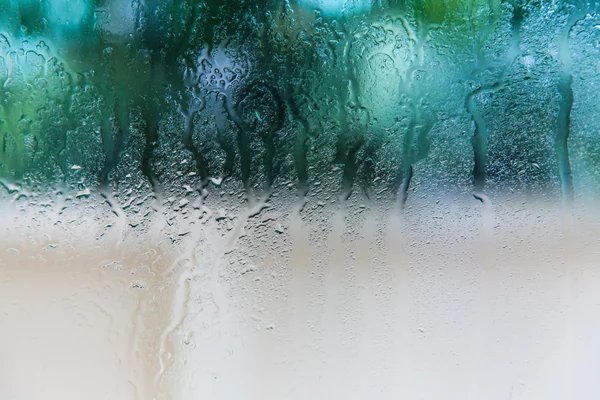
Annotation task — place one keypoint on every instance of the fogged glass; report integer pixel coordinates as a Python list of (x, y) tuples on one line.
[(301, 199)]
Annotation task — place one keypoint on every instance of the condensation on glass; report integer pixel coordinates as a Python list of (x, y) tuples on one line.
[(302, 199)]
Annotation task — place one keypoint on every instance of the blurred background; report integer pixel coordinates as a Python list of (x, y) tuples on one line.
[(299, 199)]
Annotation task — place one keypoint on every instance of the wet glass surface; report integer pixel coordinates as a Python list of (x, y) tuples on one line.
[(299, 199)]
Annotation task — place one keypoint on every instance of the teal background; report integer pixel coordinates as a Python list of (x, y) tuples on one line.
[(380, 97)]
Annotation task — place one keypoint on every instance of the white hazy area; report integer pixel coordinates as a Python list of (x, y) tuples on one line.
[(448, 299)]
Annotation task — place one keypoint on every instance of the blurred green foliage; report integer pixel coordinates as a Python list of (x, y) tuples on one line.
[(77, 76)]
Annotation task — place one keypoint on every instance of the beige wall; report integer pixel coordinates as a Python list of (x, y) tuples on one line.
[(445, 300)]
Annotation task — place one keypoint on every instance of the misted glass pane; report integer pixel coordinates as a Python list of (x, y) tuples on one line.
[(299, 199)]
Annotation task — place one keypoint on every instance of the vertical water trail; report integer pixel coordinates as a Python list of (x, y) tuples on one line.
[(112, 145), (114, 116), (188, 133), (225, 95), (193, 100), (3, 78), (342, 114), (188, 142), (243, 141), (300, 148), (151, 117), (407, 167), (72, 122), (151, 135), (418, 128), (206, 269), (563, 123), (8, 115), (351, 137), (481, 135), (153, 75), (267, 134), (563, 126)]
